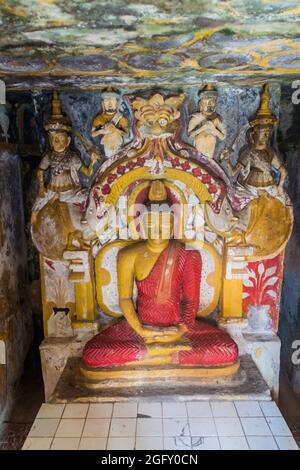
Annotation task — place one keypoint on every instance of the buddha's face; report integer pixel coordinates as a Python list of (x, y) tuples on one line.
[(110, 104), (59, 140), (158, 225), (261, 136), (208, 105)]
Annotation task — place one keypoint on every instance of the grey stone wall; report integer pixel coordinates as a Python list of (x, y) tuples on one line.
[(15, 314), (289, 325)]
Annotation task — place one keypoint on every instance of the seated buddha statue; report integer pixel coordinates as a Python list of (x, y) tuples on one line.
[(161, 326)]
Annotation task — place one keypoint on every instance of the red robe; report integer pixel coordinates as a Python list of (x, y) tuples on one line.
[(169, 295)]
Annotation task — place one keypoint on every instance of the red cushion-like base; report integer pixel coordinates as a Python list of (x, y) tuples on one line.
[(120, 344)]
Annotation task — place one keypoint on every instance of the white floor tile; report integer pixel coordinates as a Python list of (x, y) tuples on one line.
[(121, 427), (233, 443), (47, 410), (93, 443), (205, 443), (151, 409), (278, 426), (269, 408), (255, 427), (199, 409), (65, 443), (149, 427), (125, 410), (229, 427), (286, 443), (100, 410), (202, 427), (177, 443), (45, 427), (96, 427), (70, 428), (174, 410), (176, 427), (198, 425), (37, 443), (149, 443), (261, 443), (248, 409), (76, 410), (121, 443), (223, 409)]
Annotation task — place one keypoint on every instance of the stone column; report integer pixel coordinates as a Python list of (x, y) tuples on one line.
[(15, 314)]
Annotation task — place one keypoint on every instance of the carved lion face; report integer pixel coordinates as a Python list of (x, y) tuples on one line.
[(157, 116)]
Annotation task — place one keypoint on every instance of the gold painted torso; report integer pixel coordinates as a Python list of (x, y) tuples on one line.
[(145, 261)]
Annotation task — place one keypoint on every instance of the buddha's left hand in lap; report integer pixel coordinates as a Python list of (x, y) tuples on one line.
[(169, 334)]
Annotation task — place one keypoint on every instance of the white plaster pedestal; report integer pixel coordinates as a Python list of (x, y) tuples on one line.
[(264, 350), (55, 353)]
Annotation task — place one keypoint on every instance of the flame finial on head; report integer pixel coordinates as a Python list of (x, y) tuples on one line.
[(263, 115), (57, 121), (209, 91)]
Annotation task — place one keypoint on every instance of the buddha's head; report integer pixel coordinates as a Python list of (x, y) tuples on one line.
[(58, 127), (110, 101), (158, 218), (208, 101)]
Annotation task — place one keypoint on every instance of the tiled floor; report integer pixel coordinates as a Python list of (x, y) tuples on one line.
[(170, 425)]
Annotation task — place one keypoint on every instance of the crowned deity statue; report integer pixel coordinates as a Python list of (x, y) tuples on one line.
[(60, 192), (111, 124), (60, 161), (257, 159), (207, 126), (160, 326)]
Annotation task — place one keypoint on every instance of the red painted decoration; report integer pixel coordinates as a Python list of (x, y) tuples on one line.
[(263, 286)]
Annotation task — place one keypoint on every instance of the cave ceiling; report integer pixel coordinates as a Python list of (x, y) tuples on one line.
[(47, 43)]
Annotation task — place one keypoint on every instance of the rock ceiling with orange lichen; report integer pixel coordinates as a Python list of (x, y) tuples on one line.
[(45, 43)]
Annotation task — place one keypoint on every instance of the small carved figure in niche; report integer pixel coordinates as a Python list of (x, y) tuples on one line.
[(257, 159), (206, 126), (111, 123), (63, 163)]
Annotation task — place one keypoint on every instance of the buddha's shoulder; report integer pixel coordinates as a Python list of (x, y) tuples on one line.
[(132, 250)]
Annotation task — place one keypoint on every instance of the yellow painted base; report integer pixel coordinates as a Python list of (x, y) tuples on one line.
[(131, 375)]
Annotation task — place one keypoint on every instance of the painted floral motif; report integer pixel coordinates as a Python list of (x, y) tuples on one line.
[(261, 282), (263, 285)]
